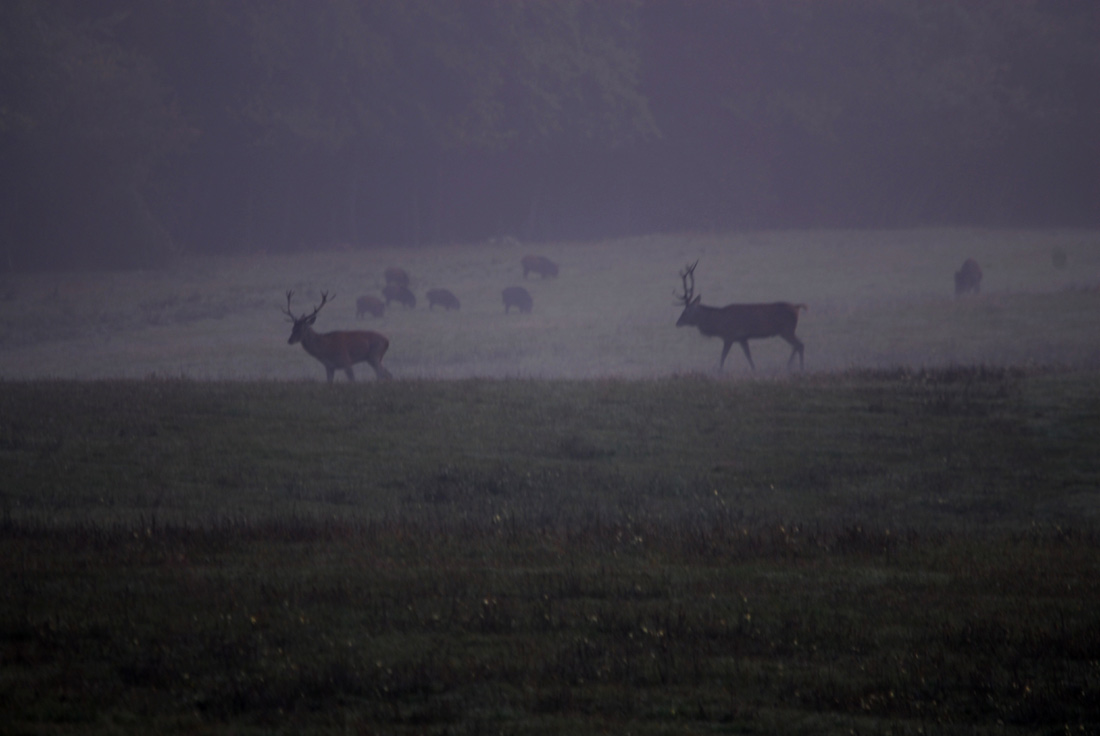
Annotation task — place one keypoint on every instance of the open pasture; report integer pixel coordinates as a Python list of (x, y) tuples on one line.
[(896, 551), (876, 298), (903, 539)]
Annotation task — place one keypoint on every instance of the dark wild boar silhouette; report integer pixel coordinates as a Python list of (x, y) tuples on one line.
[(539, 264), (443, 298), (337, 350), (369, 305), (739, 323), (399, 294), (518, 297), (397, 277), (968, 278)]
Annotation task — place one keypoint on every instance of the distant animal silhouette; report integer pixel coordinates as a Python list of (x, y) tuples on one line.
[(443, 298), (518, 297), (1058, 258), (399, 294), (968, 278), (397, 277), (739, 323), (539, 264), (337, 350), (369, 304)]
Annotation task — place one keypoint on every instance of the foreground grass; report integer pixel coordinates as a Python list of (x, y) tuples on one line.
[(905, 551)]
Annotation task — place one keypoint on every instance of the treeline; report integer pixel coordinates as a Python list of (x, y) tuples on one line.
[(132, 131)]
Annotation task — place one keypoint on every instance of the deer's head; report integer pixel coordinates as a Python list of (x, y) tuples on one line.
[(305, 322), (690, 302)]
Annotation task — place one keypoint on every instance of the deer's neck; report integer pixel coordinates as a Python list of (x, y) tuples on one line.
[(312, 342)]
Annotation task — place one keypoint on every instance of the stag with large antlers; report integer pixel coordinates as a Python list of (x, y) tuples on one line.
[(739, 323), (337, 350)]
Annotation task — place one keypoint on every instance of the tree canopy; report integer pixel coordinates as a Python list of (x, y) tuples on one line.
[(132, 131)]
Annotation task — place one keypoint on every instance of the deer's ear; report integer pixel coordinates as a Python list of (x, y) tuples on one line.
[(696, 300), (311, 319)]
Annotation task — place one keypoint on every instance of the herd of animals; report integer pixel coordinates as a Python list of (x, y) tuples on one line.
[(342, 349), (733, 323), (397, 290)]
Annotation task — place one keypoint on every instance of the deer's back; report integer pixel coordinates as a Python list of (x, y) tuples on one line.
[(329, 347), (747, 321), (363, 344)]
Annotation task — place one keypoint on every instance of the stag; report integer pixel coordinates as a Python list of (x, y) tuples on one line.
[(337, 350), (739, 323)]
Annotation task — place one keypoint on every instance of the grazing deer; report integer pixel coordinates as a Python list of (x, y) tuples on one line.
[(539, 264), (443, 298), (518, 297), (397, 277), (739, 322), (371, 304), (337, 350), (968, 278), (400, 294)]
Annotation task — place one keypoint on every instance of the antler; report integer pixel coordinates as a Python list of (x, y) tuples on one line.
[(287, 311), (689, 288), (324, 300)]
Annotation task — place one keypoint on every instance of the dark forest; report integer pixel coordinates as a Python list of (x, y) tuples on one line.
[(133, 132)]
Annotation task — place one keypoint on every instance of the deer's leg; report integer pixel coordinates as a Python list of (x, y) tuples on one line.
[(726, 345), (375, 360), (349, 373), (796, 346), (745, 347), (331, 373)]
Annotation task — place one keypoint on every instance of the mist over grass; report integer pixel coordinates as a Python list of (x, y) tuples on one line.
[(876, 298)]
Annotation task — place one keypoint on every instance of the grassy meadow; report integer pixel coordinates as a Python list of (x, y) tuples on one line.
[(199, 535), (876, 299)]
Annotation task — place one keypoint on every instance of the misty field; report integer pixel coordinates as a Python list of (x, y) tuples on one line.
[(199, 535), (875, 299)]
